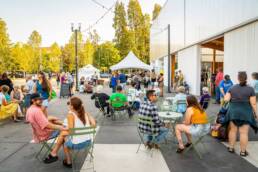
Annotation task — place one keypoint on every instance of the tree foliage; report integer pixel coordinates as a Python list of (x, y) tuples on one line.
[(156, 11)]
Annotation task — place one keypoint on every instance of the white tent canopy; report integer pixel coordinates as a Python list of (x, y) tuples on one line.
[(130, 62), (87, 71)]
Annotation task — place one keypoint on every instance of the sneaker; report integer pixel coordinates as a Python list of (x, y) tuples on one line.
[(50, 159)]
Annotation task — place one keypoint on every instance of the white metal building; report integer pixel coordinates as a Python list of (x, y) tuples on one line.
[(205, 34)]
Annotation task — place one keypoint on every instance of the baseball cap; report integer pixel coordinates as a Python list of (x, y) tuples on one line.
[(35, 96)]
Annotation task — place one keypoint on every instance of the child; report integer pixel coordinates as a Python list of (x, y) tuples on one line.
[(17, 97), (205, 98)]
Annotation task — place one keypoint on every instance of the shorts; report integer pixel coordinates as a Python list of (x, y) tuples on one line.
[(199, 129), (81, 145), (54, 134), (45, 103)]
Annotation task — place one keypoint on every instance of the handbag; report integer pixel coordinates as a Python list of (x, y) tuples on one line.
[(53, 94)]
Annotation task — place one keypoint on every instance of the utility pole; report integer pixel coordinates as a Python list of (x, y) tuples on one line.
[(76, 51), (169, 62)]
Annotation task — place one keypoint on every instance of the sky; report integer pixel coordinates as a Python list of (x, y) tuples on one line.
[(53, 18)]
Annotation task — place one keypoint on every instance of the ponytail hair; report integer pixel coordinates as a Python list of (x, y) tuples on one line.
[(242, 77), (78, 107)]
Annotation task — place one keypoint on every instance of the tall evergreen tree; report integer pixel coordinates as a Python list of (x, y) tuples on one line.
[(123, 38)]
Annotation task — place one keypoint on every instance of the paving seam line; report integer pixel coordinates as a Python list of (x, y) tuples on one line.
[(27, 143)]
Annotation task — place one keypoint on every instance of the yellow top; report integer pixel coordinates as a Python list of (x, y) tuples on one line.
[(199, 117)]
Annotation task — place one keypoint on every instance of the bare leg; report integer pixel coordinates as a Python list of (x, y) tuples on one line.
[(189, 137), (232, 135), (243, 130), (67, 155), (59, 143), (179, 129)]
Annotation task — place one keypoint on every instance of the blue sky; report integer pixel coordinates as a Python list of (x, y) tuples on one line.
[(53, 18)]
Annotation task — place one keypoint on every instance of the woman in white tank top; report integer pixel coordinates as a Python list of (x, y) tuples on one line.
[(76, 118)]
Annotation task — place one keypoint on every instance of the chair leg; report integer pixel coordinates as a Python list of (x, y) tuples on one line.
[(41, 149)]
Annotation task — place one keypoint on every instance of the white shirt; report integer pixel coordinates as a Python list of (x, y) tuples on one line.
[(2, 97), (30, 84)]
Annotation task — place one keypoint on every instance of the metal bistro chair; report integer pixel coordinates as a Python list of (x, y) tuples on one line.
[(46, 145), (199, 139), (91, 131), (146, 121), (120, 111)]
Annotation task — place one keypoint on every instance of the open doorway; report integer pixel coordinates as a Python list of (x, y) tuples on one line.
[(212, 58)]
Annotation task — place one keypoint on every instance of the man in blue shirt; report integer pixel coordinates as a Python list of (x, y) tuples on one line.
[(122, 80), (224, 87)]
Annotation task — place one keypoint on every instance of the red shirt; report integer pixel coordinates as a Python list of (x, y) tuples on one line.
[(219, 78), (39, 122)]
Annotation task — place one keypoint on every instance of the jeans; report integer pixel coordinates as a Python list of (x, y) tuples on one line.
[(163, 132), (217, 94), (78, 146), (113, 89), (112, 109)]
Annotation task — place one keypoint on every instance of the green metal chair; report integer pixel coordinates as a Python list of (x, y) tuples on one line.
[(145, 120), (198, 139), (117, 111), (46, 148), (91, 131)]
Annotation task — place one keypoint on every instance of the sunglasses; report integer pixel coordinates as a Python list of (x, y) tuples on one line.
[(68, 103)]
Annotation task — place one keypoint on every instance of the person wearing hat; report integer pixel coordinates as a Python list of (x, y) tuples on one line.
[(224, 86), (43, 127)]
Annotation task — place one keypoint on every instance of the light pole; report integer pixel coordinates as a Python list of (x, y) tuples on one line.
[(76, 51)]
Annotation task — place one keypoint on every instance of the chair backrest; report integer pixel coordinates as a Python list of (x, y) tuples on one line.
[(181, 106), (181, 102), (82, 131), (145, 121)]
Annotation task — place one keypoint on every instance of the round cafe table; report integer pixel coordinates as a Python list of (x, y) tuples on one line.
[(171, 118)]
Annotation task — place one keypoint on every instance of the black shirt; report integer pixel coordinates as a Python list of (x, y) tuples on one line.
[(241, 93), (103, 98), (7, 82)]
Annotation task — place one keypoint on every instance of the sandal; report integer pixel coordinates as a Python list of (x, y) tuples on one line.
[(50, 159), (188, 145), (231, 150), (244, 154), (66, 164), (179, 150)]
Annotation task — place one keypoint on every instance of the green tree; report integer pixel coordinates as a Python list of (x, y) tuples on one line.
[(51, 58), (123, 38), (156, 11), (139, 25), (106, 55), (6, 62), (87, 53), (35, 42)]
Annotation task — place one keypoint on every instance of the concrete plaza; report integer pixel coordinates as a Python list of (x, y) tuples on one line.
[(115, 149)]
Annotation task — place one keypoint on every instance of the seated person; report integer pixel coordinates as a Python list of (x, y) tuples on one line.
[(7, 107), (76, 118), (118, 101), (180, 96), (44, 128), (133, 96), (149, 109), (205, 98), (101, 99), (88, 87), (17, 97), (195, 123)]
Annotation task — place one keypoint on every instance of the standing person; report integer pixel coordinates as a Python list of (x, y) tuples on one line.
[(224, 87), (153, 78), (58, 80), (17, 97), (241, 113), (218, 79), (6, 81), (146, 80), (95, 78), (44, 89), (254, 83), (113, 82), (122, 79), (70, 82), (180, 78), (149, 109), (161, 84), (63, 78), (176, 80)]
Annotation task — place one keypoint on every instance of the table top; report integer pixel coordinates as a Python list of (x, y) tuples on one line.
[(169, 98), (170, 115)]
